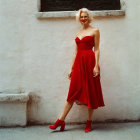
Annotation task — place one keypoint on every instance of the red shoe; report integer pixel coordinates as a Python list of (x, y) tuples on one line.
[(88, 126), (57, 124)]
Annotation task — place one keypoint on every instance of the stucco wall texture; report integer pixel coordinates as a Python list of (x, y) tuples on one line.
[(36, 55)]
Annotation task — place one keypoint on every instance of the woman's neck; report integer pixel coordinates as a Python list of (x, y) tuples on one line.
[(86, 26)]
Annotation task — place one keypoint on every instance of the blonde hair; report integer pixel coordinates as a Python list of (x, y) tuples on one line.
[(78, 13)]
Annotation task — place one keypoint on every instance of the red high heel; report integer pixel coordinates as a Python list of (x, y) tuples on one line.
[(88, 126), (57, 124)]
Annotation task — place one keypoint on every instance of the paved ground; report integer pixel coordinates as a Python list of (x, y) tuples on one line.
[(106, 131)]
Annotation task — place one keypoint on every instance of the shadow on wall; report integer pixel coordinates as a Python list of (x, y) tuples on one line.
[(33, 107)]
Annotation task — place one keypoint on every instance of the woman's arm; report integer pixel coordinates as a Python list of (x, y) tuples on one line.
[(75, 53), (97, 53), (96, 47), (71, 69)]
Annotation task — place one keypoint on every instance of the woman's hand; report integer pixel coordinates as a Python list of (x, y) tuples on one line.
[(95, 71), (69, 75)]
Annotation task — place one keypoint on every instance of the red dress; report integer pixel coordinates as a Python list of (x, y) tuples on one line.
[(85, 89)]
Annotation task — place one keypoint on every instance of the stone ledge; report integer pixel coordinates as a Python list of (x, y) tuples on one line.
[(8, 97), (13, 109), (65, 14)]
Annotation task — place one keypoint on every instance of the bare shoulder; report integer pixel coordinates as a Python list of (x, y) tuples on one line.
[(95, 30)]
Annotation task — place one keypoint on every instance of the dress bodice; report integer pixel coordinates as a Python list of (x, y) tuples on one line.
[(86, 43)]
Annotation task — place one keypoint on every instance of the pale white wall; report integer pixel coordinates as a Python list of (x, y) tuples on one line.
[(36, 55)]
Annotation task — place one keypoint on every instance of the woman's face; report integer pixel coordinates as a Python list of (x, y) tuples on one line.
[(84, 18)]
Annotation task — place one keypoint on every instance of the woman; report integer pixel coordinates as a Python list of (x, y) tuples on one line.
[(85, 87)]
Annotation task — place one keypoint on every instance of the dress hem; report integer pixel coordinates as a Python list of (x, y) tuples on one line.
[(82, 103)]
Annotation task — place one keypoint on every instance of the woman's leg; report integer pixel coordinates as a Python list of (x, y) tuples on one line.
[(89, 121), (90, 112), (67, 107)]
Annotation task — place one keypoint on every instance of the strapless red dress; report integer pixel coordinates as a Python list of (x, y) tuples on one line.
[(84, 89)]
